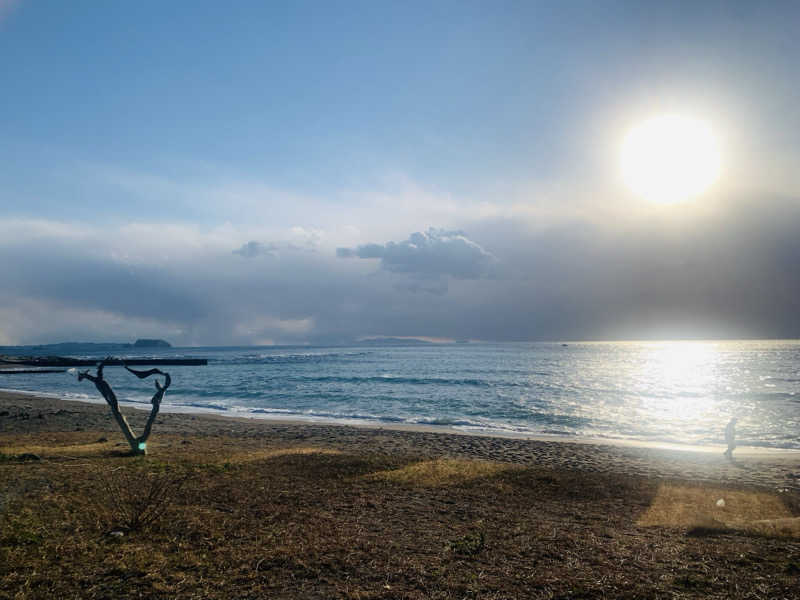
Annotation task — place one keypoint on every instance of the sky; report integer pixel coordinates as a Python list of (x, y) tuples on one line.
[(230, 173)]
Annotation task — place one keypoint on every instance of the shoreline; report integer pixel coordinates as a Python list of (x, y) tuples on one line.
[(23, 415), (790, 454)]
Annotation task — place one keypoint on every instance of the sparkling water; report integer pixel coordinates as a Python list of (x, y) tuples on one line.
[(676, 392)]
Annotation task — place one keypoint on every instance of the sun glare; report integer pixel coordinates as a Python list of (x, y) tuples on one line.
[(670, 158)]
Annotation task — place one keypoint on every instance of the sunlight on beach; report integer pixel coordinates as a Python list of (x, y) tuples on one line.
[(442, 472), (718, 509)]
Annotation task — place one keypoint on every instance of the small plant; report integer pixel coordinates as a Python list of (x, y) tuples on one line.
[(134, 499), (19, 529), (468, 545)]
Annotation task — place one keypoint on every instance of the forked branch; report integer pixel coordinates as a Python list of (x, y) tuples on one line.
[(138, 444)]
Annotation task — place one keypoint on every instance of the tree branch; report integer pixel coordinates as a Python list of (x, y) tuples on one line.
[(137, 444), (143, 374), (156, 401)]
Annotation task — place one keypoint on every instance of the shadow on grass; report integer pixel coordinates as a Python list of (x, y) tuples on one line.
[(306, 521)]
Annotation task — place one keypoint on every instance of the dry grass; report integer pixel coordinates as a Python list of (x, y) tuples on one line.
[(442, 472), (135, 497), (253, 455), (56, 451), (259, 521), (694, 506)]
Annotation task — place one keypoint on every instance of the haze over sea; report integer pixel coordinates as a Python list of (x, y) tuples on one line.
[(674, 392)]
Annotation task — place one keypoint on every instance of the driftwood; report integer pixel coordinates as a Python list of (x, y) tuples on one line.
[(138, 444)]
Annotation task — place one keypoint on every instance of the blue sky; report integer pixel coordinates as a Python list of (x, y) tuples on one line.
[(143, 144)]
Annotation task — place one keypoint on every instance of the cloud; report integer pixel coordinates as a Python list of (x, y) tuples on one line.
[(252, 249), (437, 287), (297, 239), (259, 326), (433, 254), (672, 272), (32, 319)]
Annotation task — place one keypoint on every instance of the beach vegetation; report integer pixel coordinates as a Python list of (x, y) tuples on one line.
[(20, 528), (442, 472), (317, 520), (133, 498), (697, 508), (470, 544)]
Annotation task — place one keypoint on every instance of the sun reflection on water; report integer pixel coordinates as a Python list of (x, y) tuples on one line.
[(676, 383)]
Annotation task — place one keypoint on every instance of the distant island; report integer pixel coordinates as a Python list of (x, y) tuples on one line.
[(65, 348)]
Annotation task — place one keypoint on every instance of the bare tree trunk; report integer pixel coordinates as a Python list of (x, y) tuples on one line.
[(138, 444)]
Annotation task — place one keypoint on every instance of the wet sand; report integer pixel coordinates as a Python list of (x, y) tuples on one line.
[(22, 414)]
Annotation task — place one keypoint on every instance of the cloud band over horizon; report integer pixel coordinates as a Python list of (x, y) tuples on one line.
[(728, 274)]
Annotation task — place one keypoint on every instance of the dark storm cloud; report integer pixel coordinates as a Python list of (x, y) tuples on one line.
[(727, 272), (432, 254), (724, 272), (75, 278)]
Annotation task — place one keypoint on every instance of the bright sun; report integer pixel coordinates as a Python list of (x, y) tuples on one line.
[(670, 158)]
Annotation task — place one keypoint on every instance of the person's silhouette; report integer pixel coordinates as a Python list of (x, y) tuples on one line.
[(730, 437)]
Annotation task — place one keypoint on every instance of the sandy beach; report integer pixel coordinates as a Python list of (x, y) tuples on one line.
[(246, 508), (23, 413)]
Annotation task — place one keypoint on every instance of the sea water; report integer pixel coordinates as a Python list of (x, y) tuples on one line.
[(673, 392)]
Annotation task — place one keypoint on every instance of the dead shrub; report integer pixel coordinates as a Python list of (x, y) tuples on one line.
[(136, 498)]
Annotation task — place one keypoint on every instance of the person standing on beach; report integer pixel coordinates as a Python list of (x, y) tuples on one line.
[(730, 437)]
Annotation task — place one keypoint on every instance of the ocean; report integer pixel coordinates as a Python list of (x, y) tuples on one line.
[(664, 392)]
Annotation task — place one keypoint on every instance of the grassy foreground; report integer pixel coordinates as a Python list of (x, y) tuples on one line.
[(240, 518)]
